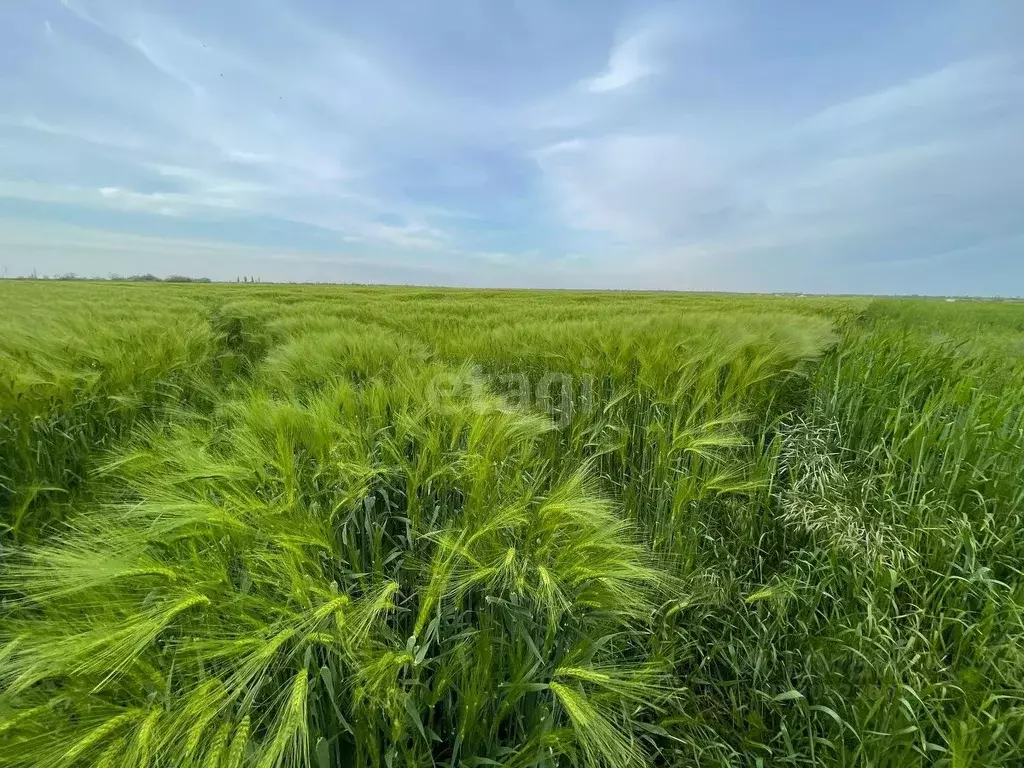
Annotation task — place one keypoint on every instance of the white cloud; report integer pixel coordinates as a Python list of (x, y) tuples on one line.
[(630, 61), (938, 95), (638, 188), (300, 137), (880, 168), (645, 43)]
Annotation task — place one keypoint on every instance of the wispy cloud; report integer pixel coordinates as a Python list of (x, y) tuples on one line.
[(629, 62), (643, 44)]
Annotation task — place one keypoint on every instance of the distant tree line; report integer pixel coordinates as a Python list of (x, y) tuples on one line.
[(169, 279), (113, 277)]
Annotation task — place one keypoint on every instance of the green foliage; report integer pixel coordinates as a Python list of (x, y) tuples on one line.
[(309, 526)]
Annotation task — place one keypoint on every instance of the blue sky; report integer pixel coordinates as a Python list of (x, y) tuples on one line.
[(834, 147)]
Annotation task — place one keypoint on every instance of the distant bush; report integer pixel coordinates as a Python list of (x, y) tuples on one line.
[(185, 279)]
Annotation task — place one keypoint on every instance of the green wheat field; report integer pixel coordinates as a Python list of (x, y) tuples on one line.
[(267, 525)]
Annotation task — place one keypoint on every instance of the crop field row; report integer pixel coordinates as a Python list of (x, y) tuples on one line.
[(267, 525)]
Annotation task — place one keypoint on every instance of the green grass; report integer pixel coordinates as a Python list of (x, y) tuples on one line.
[(318, 526)]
